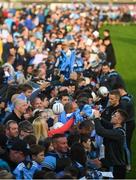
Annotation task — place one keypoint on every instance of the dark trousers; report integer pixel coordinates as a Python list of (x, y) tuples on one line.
[(130, 126), (119, 172)]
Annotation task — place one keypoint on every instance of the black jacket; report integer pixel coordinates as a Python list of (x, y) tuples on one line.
[(111, 80), (127, 104), (114, 139), (13, 116), (107, 113), (110, 56)]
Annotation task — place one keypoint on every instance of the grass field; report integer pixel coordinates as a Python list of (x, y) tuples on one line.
[(124, 42)]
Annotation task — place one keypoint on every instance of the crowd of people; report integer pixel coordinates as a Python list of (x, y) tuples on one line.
[(65, 112)]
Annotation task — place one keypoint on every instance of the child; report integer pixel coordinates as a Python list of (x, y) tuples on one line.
[(19, 75), (26, 92), (37, 153)]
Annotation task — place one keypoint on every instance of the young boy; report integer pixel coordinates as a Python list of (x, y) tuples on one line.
[(37, 153), (26, 92), (19, 74)]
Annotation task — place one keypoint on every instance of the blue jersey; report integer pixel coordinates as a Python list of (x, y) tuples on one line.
[(23, 172)]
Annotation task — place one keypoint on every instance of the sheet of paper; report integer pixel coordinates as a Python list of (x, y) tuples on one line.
[(107, 174)]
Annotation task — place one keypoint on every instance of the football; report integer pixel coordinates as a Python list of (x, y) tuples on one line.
[(58, 108)]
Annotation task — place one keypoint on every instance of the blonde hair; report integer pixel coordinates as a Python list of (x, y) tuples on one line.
[(40, 130)]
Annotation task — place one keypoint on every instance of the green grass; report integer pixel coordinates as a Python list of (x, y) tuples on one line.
[(124, 43)]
